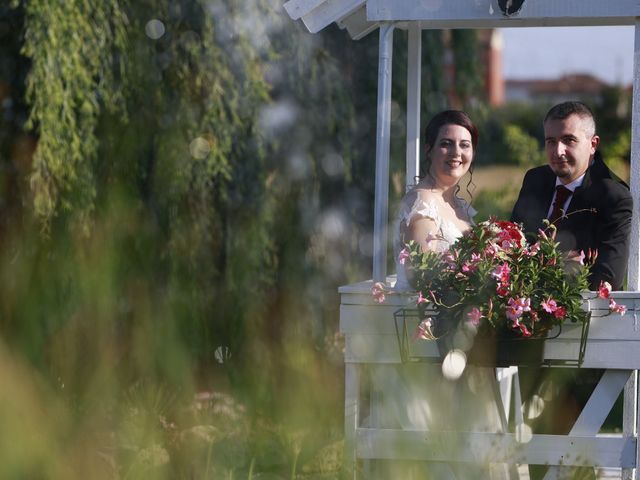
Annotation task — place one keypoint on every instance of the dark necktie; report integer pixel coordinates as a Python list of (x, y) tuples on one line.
[(562, 193)]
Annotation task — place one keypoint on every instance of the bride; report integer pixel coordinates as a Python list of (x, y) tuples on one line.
[(417, 396)]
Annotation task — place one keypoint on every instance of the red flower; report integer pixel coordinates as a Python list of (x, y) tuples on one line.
[(510, 232), (560, 312), (502, 289), (604, 289)]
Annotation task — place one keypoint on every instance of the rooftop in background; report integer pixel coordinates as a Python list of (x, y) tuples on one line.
[(580, 86), (549, 53)]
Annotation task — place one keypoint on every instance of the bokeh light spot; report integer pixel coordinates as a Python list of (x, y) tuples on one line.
[(535, 407), (154, 29), (199, 148), (222, 354), (454, 364), (523, 433)]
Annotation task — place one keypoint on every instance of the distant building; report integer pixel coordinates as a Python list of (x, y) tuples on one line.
[(491, 47), (577, 86), (490, 56)]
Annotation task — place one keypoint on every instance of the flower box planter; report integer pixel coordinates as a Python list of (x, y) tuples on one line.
[(484, 351)]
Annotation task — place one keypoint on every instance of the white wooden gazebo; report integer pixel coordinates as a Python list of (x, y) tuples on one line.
[(370, 334)]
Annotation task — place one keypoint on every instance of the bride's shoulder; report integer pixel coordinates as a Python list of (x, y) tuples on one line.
[(419, 202)]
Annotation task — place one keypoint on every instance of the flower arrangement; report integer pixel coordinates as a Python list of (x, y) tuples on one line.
[(499, 283)]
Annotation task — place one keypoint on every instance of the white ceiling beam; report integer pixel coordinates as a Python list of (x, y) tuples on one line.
[(357, 24), (298, 8), (330, 11), (487, 14)]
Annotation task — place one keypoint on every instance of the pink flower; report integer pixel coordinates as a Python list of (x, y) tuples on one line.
[(516, 308), (502, 272), (403, 256), (378, 291), (468, 267), (580, 258), (549, 305), (523, 329), (421, 299), (604, 289), (533, 249), (513, 310), (491, 250), (560, 312), (524, 304), (423, 330), (614, 307), (474, 316), (449, 259), (475, 258)]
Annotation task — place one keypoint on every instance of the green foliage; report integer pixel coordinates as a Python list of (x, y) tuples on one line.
[(468, 73), (497, 202), (521, 149), (617, 153), (73, 77)]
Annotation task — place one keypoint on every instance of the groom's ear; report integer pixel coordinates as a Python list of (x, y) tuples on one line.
[(595, 141)]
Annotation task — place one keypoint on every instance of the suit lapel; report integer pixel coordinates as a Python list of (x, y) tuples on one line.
[(578, 200)]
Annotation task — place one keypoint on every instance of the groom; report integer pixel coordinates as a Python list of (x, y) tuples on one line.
[(591, 208), (597, 204)]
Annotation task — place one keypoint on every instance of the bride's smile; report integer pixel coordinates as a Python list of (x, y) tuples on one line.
[(451, 155)]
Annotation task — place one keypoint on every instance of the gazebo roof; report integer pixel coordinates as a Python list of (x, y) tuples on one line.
[(361, 17)]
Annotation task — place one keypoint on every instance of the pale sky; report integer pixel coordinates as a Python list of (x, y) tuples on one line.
[(548, 52)]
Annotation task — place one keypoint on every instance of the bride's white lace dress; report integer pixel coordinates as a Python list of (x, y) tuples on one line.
[(416, 396)]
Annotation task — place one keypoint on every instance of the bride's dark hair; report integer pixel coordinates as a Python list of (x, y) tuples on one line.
[(449, 117)]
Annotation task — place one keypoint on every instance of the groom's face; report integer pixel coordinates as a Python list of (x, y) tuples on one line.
[(570, 144)]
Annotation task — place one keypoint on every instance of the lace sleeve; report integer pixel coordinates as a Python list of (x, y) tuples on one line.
[(421, 209)]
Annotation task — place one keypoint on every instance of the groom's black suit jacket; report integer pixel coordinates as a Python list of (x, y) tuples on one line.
[(602, 218)]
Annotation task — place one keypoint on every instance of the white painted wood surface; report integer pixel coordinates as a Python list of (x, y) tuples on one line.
[(634, 250), (317, 14), (487, 14), (357, 24), (328, 12), (414, 60), (630, 417), (383, 141), (374, 443)]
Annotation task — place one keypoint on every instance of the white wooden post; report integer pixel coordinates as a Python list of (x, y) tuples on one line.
[(634, 251), (351, 416), (631, 407), (414, 80), (630, 418), (381, 208)]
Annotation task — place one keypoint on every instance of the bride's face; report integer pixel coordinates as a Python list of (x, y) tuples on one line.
[(451, 154)]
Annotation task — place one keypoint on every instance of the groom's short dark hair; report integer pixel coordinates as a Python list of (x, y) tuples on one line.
[(565, 109)]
